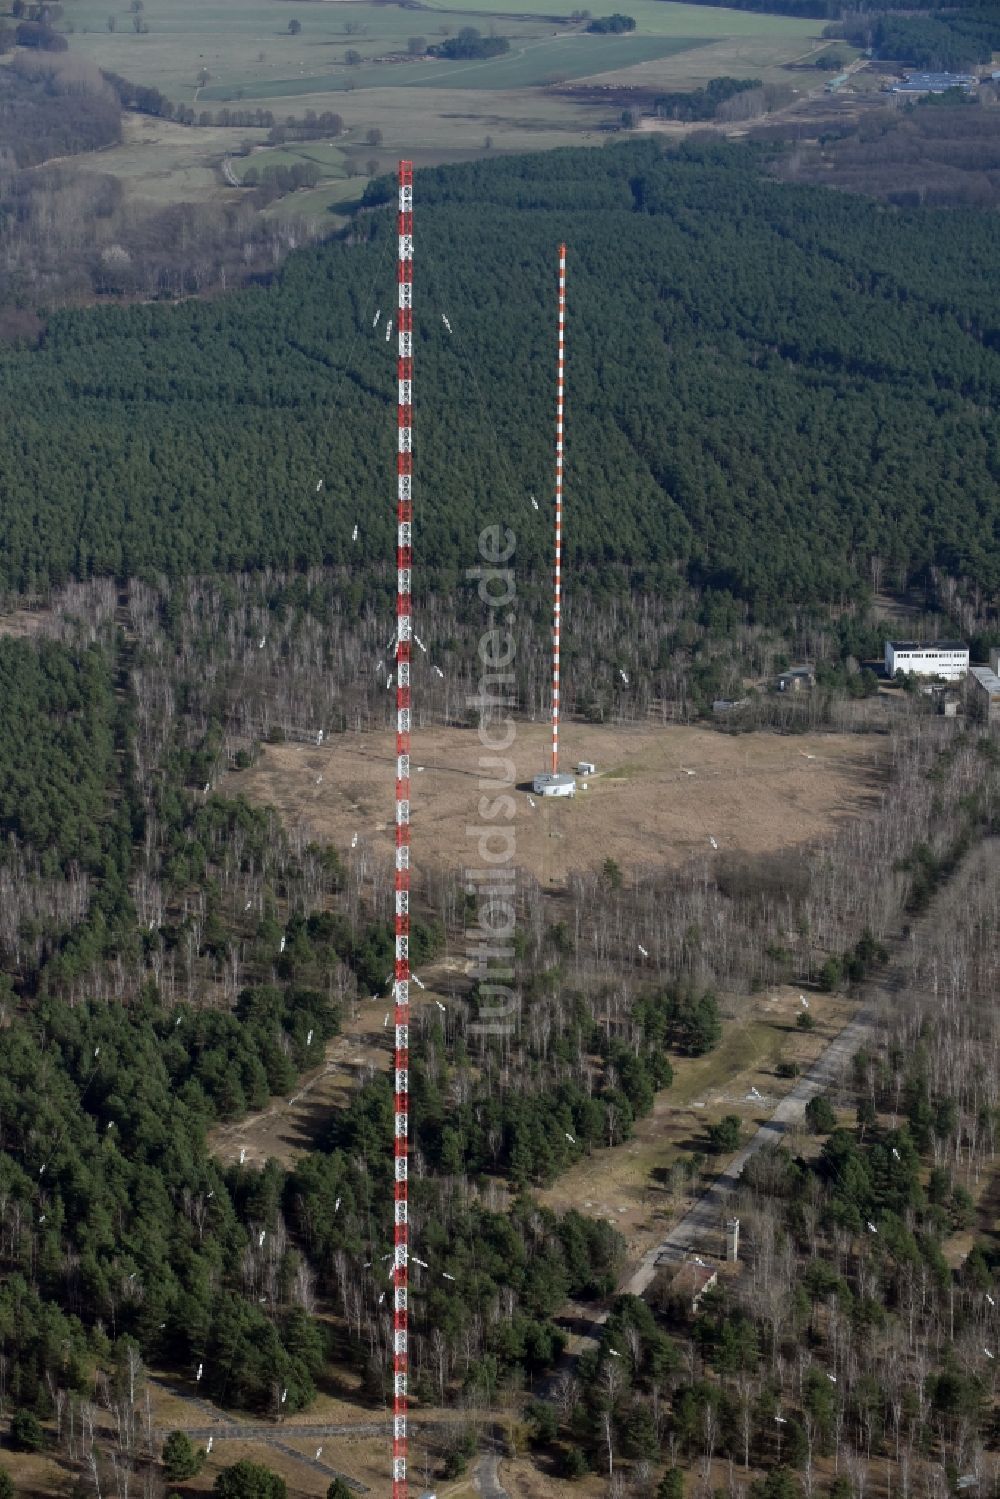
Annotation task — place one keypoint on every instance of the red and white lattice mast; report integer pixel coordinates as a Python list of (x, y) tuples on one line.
[(550, 782), (404, 635), (557, 597)]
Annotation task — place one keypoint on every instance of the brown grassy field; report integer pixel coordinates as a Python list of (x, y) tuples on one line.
[(660, 794), (26, 624)]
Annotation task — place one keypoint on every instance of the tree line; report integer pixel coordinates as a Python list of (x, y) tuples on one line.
[(702, 103), (948, 40)]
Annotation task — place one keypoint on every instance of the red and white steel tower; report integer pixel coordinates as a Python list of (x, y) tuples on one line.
[(401, 974), (557, 601)]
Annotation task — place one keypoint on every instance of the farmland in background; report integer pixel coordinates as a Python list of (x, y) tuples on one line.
[(229, 54)]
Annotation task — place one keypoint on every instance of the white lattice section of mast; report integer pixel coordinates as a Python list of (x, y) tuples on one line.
[(404, 636), (557, 597)]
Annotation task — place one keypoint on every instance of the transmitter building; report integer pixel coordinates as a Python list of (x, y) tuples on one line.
[(927, 658)]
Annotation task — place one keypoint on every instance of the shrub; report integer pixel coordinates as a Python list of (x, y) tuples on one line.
[(574, 1463), (181, 1458), (26, 1432), (246, 1480), (725, 1136), (829, 974), (820, 1116), (545, 1424), (671, 1485)]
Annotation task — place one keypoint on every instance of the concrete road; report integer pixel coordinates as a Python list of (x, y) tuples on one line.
[(267, 1431), (700, 1230), (488, 1477)]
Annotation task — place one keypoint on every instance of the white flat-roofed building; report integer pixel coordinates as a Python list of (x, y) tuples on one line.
[(985, 692), (927, 658), (547, 784)]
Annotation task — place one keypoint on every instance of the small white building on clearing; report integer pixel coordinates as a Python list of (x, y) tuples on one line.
[(931, 658), (547, 784)]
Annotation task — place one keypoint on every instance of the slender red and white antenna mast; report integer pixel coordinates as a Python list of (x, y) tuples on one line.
[(557, 599), (401, 973)]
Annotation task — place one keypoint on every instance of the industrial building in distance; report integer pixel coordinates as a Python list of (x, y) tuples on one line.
[(930, 658), (984, 683), (934, 83)]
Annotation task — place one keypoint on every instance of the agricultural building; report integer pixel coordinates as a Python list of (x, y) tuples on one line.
[(796, 679)]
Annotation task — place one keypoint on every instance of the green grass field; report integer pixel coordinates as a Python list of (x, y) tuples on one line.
[(320, 204), (660, 18), (215, 53), (329, 159), (248, 53), (528, 65)]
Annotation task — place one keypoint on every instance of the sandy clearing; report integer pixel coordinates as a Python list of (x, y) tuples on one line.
[(660, 794), (26, 624)]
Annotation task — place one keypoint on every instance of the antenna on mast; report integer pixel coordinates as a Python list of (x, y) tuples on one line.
[(557, 597), (401, 972)]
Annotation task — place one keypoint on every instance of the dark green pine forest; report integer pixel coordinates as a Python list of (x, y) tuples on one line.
[(767, 385)]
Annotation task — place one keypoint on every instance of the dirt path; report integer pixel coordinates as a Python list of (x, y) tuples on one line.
[(289, 1126)]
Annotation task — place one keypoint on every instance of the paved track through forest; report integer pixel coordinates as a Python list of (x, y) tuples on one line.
[(221, 1426), (700, 1230), (224, 1428), (487, 1476), (701, 1227)]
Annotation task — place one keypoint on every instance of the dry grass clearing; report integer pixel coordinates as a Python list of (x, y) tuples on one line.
[(288, 1126), (26, 624), (36, 1476), (660, 794), (361, 1458), (525, 1479)]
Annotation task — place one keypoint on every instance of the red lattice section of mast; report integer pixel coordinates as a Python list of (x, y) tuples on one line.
[(404, 637), (557, 602)]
